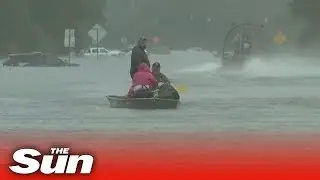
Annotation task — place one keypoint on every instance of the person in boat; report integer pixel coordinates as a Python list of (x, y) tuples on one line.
[(143, 83), (247, 45), (236, 54), (161, 78), (139, 56), (165, 89)]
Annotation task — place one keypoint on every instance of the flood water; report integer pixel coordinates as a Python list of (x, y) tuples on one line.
[(270, 95)]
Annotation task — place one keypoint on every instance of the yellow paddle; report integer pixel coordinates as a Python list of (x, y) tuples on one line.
[(181, 88)]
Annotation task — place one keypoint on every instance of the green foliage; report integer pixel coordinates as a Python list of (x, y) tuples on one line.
[(38, 25), (307, 11)]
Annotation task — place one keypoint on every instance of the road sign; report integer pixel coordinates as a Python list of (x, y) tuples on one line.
[(69, 38), (97, 33), (280, 38)]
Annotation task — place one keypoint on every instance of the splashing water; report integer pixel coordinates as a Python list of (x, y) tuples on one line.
[(207, 67), (282, 67)]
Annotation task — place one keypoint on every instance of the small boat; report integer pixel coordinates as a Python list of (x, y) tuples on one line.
[(237, 45), (234, 63), (142, 103)]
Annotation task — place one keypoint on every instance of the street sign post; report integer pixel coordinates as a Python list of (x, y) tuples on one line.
[(97, 33), (69, 40)]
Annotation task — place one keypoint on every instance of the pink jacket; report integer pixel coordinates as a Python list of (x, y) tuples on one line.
[(143, 77)]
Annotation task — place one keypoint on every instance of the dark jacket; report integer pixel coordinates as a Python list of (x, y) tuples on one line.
[(138, 56), (167, 91), (162, 78)]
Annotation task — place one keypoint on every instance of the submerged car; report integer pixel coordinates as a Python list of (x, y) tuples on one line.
[(36, 59)]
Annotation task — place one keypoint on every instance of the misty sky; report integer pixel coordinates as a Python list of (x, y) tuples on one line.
[(226, 12), (230, 9)]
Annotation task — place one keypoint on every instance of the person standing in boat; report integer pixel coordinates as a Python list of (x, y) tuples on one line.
[(139, 56)]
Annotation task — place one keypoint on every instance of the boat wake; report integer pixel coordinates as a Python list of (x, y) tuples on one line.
[(282, 67), (203, 68), (261, 67)]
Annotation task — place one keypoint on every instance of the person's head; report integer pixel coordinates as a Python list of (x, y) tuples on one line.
[(143, 42), (156, 68), (143, 67)]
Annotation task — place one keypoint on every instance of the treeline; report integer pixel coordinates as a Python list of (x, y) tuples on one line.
[(185, 23), (308, 12), (178, 23), (38, 25)]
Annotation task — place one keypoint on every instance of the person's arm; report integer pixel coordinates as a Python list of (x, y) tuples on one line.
[(146, 59), (143, 56), (148, 62), (153, 81)]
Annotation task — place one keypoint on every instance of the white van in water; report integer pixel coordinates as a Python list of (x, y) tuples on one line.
[(195, 49), (101, 51)]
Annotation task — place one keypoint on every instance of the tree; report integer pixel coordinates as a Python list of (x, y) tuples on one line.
[(33, 25), (307, 11)]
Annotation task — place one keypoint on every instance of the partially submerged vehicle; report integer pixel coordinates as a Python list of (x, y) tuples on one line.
[(101, 51), (36, 59)]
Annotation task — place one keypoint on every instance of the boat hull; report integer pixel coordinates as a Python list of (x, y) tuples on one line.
[(236, 63), (142, 103)]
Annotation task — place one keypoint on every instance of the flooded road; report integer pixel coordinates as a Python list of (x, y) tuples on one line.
[(274, 95)]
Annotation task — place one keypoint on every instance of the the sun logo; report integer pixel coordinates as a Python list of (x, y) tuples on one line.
[(65, 163)]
